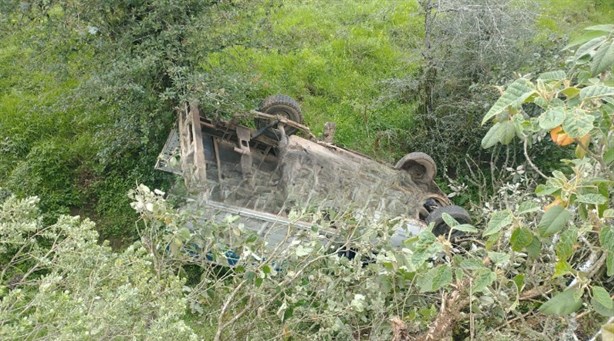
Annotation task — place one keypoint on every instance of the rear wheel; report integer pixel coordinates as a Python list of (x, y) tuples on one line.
[(420, 166), (281, 105), (440, 227)]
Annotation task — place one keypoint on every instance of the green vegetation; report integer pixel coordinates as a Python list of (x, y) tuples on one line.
[(335, 58), (88, 91), (82, 290)]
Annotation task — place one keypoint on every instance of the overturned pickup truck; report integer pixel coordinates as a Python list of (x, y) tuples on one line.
[(263, 173)]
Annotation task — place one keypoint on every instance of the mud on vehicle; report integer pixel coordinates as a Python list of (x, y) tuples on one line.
[(261, 173)]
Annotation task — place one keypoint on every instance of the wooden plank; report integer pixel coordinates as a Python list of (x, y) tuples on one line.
[(200, 168), (184, 144), (193, 165)]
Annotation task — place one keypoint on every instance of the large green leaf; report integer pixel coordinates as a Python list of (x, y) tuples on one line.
[(435, 279), (586, 36), (603, 58), (471, 264), (553, 221), (498, 220), (502, 132), (483, 278), (570, 92), (606, 238), (545, 189), (455, 225), (466, 228), (603, 28), (563, 303), (578, 123), (561, 268), (588, 47), (603, 297), (527, 207), (565, 247), (552, 118), (424, 247), (591, 198), (557, 75), (534, 249), (499, 258), (521, 237), (515, 94), (508, 131), (602, 302), (596, 91), (601, 309), (492, 136), (449, 220)]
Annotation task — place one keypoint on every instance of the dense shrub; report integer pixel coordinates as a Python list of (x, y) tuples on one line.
[(57, 282)]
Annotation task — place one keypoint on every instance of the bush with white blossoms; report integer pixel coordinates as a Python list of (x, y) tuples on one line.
[(58, 283)]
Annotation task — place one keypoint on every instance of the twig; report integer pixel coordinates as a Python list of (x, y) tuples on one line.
[(522, 316), (248, 306), (535, 292), (471, 314), (526, 155), (220, 325)]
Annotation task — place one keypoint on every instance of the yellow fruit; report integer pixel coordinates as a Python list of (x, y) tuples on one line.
[(560, 137)]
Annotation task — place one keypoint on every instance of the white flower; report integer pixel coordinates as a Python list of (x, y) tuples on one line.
[(358, 303)]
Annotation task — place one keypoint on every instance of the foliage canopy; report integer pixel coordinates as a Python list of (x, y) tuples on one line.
[(87, 93)]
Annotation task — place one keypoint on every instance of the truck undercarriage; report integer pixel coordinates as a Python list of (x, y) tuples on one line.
[(262, 174)]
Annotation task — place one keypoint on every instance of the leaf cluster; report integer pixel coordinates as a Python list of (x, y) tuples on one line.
[(575, 109)]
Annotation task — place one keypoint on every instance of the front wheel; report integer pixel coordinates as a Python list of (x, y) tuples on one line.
[(280, 105)]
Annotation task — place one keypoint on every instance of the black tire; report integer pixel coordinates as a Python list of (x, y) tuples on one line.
[(440, 227), (419, 165), (280, 105)]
